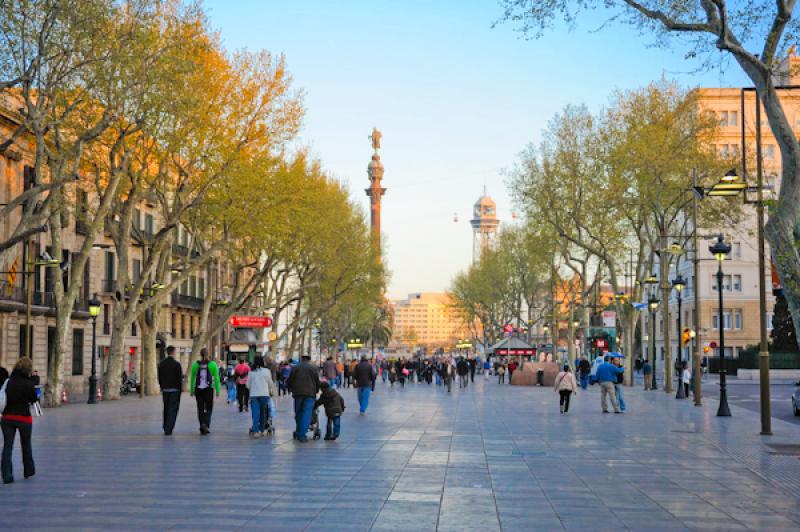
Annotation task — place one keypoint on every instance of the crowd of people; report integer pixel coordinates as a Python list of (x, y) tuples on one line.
[(255, 386)]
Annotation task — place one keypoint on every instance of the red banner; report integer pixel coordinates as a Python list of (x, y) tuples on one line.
[(255, 322)]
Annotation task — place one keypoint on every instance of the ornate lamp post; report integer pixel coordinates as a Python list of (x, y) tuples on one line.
[(678, 284), (720, 251), (94, 310), (652, 303)]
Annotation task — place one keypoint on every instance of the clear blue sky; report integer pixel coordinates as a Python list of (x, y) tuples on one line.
[(455, 99)]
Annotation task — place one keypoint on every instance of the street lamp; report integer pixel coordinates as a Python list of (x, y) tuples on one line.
[(678, 284), (652, 303), (94, 310), (720, 251)]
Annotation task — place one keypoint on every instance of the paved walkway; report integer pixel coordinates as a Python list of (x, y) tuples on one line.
[(487, 458)]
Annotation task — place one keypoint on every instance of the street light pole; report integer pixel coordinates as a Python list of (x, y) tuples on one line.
[(653, 304), (697, 373), (679, 282), (94, 310), (720, 250)]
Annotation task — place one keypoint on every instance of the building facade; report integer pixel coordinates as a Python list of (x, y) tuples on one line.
[(426, 320)]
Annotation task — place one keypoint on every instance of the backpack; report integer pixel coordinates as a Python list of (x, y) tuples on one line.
[(3, 396)]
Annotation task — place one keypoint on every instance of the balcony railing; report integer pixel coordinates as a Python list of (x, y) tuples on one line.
[(180, 300), (183, 251), (18, 294), (109, 286)]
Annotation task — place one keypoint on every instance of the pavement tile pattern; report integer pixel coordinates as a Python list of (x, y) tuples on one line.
[(487, 458)]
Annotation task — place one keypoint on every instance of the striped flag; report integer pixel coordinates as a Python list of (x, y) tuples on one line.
[(12, 277)]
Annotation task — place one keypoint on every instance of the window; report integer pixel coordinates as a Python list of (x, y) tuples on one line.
[(770, 317), (737, 250), (733, 118), (193, 286), (174, 329), (191, 326), (87, 279), (137, 270), (81, 208), (726, 318), (769, 151), (149, 225), (737, 283), (137, 219), (728, 282), (77, 351), (52, 345), (738, 320), (183, 326), (106, 319), (134, 329), (109, 266), (723, 118), (201, 288), (23, 341)]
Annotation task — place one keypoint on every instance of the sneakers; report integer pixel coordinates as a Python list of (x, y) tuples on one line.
[(204, 430), (561, 408)]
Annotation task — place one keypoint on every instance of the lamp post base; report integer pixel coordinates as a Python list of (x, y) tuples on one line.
[(681, 394), (723, 410), (92, 390)]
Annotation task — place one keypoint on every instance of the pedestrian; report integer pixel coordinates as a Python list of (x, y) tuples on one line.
[(329, 371), (260, 387), (565, 385), (339, 371), (303, 383), (501, 373), (462, 368), (230, 383), (16, 417), (584, 371), (203, 384), (242, 371), (618, 384), (487, 369), (638, 365), (472, 367), (170, 379), (512, 367), (607, 377), (334, 408), (449, 373), (686, 378), (647, 371), (284, 376), (364, 377)]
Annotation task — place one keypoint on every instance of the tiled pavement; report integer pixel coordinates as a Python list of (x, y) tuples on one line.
[(486, 458)]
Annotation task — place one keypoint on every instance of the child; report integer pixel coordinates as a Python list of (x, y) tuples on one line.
[(334, 408)]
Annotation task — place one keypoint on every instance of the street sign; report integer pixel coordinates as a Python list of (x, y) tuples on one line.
[(601, 343), (713, 345), (272, 336), (256, 322)]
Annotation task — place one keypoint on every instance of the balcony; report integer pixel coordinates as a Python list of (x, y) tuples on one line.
[(109, 286), (183, 251), (191, 302)]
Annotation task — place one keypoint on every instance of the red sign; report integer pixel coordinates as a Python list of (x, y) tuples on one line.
[(256, 322), (601, 343), (508, 328), (712, 345)]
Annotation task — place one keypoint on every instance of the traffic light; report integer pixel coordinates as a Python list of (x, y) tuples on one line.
[(686, 337), (706, 349)]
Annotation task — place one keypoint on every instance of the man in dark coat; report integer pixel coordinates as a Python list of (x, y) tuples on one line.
[(170, 379), (303, 383), (364, 377), (462, 368)]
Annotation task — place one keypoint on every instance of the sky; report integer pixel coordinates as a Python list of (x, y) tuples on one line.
[(455, 99)]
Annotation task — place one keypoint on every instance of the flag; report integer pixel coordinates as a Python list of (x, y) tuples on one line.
[(12, 278)]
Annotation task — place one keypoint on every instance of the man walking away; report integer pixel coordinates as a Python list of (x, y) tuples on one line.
[(647, 371), (463, 371), (618, 387), (607, 377), (203, 383), (303, 383), (487, 368), (364, 377), (472, 365), (584, 370), (501, 373), (170, 379), (242, 371), (329, 371)]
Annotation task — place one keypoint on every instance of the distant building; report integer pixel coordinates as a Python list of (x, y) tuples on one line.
[(426, 320), (484, 225)]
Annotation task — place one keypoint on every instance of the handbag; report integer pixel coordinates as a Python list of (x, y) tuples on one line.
[(3, 396)]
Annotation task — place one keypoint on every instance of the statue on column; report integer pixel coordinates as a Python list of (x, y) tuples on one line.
[(376, 139)]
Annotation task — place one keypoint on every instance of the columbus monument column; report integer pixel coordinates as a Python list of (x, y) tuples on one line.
[(375, 191)]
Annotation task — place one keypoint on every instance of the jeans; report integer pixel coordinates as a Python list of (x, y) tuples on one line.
[(10, 429), (620, 396), (172, 401), (333, 428), (271, 407), (607, 389), (462, 381), (501, 378), (384, 375), (243, 394), (231, 386), (258, 410), (584, 380), (363, 399), (303, 407), (205, 405)]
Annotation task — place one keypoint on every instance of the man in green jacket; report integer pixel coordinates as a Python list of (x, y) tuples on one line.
[(203, 377)]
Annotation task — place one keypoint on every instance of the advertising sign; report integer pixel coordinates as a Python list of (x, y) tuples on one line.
[(256, 322)]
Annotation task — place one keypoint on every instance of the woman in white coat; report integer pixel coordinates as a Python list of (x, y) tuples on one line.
[(565, 385)]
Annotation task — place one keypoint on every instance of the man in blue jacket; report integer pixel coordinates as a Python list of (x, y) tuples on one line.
[(607, 377)]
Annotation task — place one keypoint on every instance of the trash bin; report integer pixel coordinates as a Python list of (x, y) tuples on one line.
[(540, 377)]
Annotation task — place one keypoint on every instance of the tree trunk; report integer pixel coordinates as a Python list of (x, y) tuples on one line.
[(665, 293), (149, 330)]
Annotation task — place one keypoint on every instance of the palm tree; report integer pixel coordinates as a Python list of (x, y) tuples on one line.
[(381, 328)]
